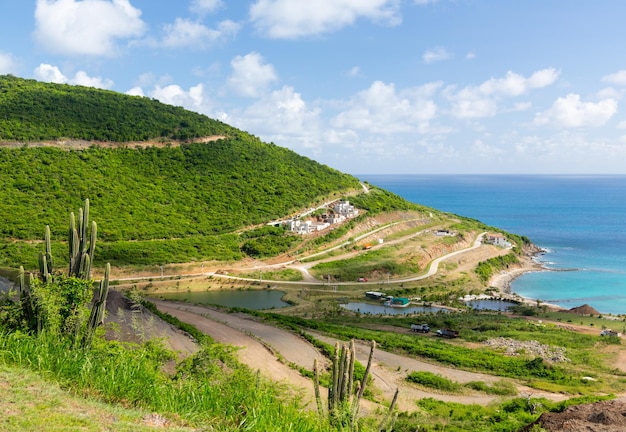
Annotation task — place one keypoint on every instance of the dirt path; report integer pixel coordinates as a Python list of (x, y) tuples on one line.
[(252, 351), (262, 346)]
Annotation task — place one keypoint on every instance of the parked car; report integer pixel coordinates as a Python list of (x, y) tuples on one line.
[(609, 332), (362, 279), (422, 328), (447, 333)]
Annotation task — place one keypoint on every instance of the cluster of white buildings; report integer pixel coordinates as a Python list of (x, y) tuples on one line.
[(341, 210)]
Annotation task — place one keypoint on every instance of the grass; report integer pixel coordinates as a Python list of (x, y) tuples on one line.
[(210, 388), (434, 381), (30, 403), (476, 327), (381, 261), (289, 275)]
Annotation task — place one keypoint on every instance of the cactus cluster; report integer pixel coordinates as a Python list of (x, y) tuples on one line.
[(82, 243), (344, 394)]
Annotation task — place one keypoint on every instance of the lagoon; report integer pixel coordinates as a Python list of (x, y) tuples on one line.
[(375, 309), (494, 305), (247, 299)]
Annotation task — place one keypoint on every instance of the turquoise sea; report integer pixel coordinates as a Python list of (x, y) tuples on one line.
[(579, 219)]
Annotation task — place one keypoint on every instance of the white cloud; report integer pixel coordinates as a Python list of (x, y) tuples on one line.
[(485, 150), (194, 34), (81, 78), (193, 99), (483, 100), (609, 93), (281, 116), (514, 84), (618, 78), (470, 55), (202, 7), (435, 55), (89, 27), (49, 73), (8, 65), (355, 71), (622, 124), (381, 109), (135, 91), (571, 112), (296, 18), (251, 76)]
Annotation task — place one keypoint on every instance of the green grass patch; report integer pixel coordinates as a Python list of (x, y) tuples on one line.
[(434, 381), (380, 260), (499, 388)]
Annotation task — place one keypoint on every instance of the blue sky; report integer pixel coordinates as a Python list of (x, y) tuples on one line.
[(364, 86)]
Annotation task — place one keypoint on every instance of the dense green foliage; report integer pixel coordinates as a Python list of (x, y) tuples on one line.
[(157, 193), (486, 269), (154, 205), (380, 200), (37, 111)]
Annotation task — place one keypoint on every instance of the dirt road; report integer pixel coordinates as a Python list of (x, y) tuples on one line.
[(263, 347)]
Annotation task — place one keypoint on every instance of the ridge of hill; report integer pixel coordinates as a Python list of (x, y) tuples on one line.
[(36, 111)]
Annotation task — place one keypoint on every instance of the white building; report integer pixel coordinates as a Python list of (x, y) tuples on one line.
[(346, 209), (497, 239)]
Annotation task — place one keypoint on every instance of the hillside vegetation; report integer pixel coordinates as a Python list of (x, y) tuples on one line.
[(192, 196), (37, 111)]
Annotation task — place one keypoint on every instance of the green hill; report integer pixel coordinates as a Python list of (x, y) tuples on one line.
[(170, 201), (37, 111)]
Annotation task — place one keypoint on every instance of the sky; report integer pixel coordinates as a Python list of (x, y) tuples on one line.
[(364, 86)]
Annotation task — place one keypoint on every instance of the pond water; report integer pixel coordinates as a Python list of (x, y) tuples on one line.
[(248, 299), (375, 309), (496, 305)]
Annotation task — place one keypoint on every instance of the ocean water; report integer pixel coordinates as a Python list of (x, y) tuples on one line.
[(579, 220)]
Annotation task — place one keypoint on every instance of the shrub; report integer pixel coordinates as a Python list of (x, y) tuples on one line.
[(431, 380)]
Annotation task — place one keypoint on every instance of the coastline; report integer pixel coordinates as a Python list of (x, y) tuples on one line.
[(528, 263)]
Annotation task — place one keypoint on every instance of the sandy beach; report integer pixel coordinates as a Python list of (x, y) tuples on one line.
[(502, 281)]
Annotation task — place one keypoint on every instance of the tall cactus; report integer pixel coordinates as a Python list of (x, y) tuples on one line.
[(45, 258), (344, 395), (82, 245), (99, 306)]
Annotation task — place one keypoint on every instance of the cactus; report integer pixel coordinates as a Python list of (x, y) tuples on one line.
[(99, 306), (343, 395), (81, 245), (48, 245)]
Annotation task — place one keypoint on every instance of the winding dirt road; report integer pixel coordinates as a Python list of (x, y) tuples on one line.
[(271, 350)]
